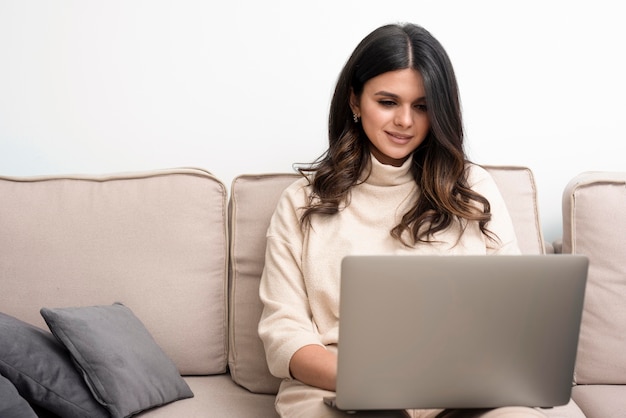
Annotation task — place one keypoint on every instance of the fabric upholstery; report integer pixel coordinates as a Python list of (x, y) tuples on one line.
[(155, 241), (216, 396), (594, 225), (571, 410), (601, 401), (517, 186), (252, 202)]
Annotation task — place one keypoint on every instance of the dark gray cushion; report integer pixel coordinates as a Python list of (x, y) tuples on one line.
[(11, 403), (42, 371), (120, 361), (44, 413)]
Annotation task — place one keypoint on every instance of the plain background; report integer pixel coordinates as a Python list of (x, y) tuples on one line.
[(243, 86)]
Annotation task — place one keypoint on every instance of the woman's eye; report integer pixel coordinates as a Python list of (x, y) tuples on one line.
[(387, 103), (421, 107)]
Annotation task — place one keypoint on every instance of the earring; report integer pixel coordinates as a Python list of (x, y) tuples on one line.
[(355, 117)]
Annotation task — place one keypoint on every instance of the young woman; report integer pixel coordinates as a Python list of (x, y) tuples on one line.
[(394, 180)]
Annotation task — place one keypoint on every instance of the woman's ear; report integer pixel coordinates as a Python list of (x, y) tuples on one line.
[(354, 103)]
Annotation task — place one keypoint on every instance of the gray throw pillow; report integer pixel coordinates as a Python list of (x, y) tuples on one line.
[(42, 371), (122, 364), (11, 403)]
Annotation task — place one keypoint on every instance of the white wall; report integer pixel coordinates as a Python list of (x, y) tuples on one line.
[(243, 86)]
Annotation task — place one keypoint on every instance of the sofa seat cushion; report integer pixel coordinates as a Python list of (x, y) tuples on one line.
[(569, 410), (216, 396), (601, 401)]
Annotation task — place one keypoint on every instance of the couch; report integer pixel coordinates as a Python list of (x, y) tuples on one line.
[(185, 253)]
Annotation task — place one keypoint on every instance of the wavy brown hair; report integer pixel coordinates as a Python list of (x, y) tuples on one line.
[(439, 163)]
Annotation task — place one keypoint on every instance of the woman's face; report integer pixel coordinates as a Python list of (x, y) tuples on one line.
[(392, 108)]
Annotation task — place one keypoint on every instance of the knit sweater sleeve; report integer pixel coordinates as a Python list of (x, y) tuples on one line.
[(500, 224), (285, 325)]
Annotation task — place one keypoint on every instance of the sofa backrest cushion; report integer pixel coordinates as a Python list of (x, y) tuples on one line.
[(155, 241), (252, 202), (594, 225), (517, 186)]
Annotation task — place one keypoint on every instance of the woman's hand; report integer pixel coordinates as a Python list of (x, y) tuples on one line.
[(316, 366)]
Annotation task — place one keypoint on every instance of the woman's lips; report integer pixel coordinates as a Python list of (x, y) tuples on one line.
[(398, 137)]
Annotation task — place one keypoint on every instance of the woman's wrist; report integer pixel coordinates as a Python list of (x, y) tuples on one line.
[(316, 366)]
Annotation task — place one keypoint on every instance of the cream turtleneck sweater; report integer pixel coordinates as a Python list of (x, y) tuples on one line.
[(300, 282)]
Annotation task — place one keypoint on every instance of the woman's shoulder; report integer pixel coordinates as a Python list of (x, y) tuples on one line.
[(296, 194), (300, 185)]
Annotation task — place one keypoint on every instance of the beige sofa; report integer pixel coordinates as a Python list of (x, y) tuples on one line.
[(185, 253)]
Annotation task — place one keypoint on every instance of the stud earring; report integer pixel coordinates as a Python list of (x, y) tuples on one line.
[(355, 117)]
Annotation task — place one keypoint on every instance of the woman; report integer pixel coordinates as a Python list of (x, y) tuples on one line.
[(394, 180)]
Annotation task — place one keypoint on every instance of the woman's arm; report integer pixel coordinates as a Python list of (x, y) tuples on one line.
[(286, 325)]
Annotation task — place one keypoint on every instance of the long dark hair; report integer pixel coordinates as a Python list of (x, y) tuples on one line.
[(439, 163)]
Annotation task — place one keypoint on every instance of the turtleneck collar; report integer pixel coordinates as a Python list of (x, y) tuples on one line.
[(387, 175)]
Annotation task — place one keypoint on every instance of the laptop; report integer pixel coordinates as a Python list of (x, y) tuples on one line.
[(421, 332)]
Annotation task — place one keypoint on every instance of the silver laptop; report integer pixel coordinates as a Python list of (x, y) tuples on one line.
[(421, 332)]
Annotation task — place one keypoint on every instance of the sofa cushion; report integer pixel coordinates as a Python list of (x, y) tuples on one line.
[(569, 410), (155, 241), (216, 396), (517, 186), (11, 403), (594, 225), (43, 372), (600, 401), (121, 363), (253, 200)]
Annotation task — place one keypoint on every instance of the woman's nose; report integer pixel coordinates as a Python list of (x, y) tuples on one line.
[(404, 117)]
